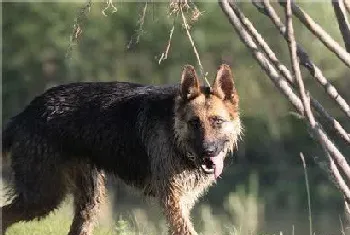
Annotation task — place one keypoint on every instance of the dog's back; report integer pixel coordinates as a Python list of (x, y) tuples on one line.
[(102, 122)]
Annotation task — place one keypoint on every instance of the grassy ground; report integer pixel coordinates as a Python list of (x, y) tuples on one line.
[(243, 215), (149, 221), (58, 223)]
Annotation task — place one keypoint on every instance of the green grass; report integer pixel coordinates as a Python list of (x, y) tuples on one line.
[(243, 211), (241, 204), (56, 223)]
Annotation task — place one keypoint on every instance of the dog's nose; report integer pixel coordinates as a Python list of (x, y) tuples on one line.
[(209, 151)]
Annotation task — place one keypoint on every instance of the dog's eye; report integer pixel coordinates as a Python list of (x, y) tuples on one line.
[(194, 122), (217, 121)]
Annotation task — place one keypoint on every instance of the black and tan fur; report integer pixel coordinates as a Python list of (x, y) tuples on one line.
[(153, 137)]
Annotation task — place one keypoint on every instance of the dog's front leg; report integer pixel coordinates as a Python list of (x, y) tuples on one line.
[(177, 214)]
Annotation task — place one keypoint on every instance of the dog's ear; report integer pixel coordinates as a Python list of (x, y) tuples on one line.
[(189, 83), (224, 86)]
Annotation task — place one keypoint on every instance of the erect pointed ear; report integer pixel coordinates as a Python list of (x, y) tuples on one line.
[(189, 83), (224, 86)]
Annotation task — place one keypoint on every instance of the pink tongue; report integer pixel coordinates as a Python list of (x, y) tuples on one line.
[(218, 162)]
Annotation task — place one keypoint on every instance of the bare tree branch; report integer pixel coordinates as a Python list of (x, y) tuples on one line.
[(338, 180), (336, 155), (287, 75), (322, 35), (331, 121), (343, 23), (292, 46), (264, 63), (315, 127), (282, 85), (269, 11), (322, 139), (267, 61), (347, 5)]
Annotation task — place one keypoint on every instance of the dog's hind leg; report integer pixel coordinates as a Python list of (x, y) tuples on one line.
[(89, 192), (38, 190), (21, 209)]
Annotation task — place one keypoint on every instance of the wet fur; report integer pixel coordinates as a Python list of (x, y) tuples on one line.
[(66, 139)]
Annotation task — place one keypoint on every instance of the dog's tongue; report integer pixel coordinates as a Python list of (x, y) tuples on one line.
[(218, 162)]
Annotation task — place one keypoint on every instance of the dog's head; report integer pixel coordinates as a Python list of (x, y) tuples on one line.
[(207, 123)]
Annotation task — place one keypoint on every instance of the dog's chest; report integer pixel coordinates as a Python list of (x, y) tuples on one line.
[(193, 185), (194, 182)]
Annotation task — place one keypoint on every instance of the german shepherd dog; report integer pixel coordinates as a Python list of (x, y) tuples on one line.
[(168, 141)]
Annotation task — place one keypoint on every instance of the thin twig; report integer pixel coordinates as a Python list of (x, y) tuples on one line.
[(295, 63), (322, 35), (194, 47), (176, 5), (77, 27), (109, 5), (164, 55), (343, 23), (139, 31), (269, 11), (196, 13), (341, 226), (287, 75), (307, 191)]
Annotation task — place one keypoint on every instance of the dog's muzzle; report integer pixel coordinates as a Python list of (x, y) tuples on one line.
[(210, 165), (214, 164)]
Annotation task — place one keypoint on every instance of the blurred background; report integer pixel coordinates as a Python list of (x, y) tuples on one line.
[(262, 190)]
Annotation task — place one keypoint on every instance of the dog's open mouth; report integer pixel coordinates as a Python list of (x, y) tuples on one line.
[(214, 165)]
